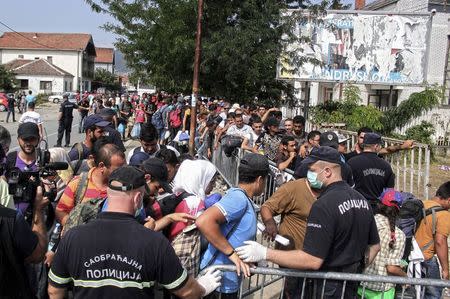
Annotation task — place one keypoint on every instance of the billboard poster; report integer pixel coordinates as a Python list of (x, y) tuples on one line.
[(361, 48)]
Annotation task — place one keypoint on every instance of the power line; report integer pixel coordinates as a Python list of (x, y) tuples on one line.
[(26, 37)]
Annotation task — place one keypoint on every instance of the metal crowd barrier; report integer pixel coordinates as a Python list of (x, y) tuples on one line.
[(411, 167), (320, 279)]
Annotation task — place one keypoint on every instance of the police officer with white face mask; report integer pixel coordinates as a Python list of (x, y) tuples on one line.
[(341, 233)]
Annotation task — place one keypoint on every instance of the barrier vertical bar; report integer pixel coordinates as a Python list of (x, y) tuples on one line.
[(404, 172), (427, 172), (419, 174), (343, 289), (397, 175), (411, 178)]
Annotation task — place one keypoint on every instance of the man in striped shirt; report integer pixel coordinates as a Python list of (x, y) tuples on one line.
[(107, 158)]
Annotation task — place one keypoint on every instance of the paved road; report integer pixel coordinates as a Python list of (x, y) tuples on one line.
[(49, 112)]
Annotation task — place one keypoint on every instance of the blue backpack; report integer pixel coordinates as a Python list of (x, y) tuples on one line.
[(157, 119)]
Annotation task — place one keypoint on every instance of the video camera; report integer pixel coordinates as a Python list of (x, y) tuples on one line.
[(23, 184)]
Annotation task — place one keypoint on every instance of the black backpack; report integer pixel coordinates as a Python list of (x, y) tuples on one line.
[(412, 213)]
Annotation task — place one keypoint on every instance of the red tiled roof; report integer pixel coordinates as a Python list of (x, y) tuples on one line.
[(35, 67), (104, 55), (58, 41)]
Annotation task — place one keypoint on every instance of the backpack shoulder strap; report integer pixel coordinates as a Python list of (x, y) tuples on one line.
[(79, 148), (81, 188), (432, 211)]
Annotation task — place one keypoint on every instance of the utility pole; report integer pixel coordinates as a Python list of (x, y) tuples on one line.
[(198, 47)]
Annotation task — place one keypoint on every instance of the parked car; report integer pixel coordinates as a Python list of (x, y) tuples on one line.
[(3, 102), (59, 97)]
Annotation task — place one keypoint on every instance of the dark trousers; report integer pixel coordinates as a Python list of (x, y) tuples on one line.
[(217, 295), (81, 124), (65, 125), (11, 111)]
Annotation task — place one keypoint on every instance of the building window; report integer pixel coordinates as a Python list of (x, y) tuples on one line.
[(36, 58), (50, 59), (380, 98), (20, 56), (70, 86), (65, 85), (45, 85), (24, 84)]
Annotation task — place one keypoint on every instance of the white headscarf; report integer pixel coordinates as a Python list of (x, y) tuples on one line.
[(194, 176)]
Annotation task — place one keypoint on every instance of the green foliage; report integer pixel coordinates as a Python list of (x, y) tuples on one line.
[(348, 111), (241, 43), (421, 133), (41, 98), (416, 104), (106, 79), (6, 79)]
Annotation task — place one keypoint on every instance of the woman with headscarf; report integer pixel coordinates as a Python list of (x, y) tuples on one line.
[(194, 178)]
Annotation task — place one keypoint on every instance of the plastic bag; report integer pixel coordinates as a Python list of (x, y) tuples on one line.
[(121, 128), (136, 132)]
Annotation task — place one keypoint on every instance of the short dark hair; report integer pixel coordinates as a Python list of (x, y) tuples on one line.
[(148, 132), (168, 156), (31, 105), (286, 138), (254, 119), (365, 130), (248, 179), (298, 119), (313, 134), (231, 114), (443, 192), (104, 150), (5, 137)]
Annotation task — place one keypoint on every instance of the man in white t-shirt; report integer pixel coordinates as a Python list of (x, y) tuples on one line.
[(33, 117), (239, 128)]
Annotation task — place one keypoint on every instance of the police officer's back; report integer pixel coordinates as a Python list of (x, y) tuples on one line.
[(371, 173), (65, 117)]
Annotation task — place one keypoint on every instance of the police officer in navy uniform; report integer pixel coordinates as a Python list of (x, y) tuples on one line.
[(65, 117), (371, 173), (341, 233)]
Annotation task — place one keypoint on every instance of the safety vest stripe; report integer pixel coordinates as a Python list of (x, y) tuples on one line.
[(57, 279), (113, 283), (177, 282)]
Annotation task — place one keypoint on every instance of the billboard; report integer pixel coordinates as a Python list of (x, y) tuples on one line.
[(361, 48)]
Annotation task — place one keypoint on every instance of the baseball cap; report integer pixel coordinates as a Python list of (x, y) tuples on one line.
[(27, 130), (391, 198), (342, 138), (138, 158), (323, 153), (254, 165), (95, 120), (372, 138), (158, 170), (329, 139), (129, 177)]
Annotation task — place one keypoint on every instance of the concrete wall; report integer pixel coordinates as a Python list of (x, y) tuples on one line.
[(70, 61), (34, 83)]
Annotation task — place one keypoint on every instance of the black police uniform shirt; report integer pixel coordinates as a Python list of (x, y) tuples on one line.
[(66, 109), (340, 227), (115, 257), (371, 174)]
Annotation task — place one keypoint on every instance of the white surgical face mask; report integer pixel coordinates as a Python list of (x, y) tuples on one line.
[(313, 181)]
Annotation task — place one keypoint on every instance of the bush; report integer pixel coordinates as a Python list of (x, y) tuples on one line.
[(41, 99), (421, 133)]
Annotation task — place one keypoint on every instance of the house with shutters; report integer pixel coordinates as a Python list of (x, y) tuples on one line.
[(49, 62), (105, 59)]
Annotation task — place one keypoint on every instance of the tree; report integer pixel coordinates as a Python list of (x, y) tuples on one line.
[(241, 43), (6, 79), (106, 79)]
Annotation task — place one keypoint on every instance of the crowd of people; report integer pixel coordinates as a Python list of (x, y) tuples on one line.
[(97, 219)]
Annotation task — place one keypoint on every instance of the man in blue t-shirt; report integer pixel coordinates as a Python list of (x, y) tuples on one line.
[(30, 98), (231, 221)]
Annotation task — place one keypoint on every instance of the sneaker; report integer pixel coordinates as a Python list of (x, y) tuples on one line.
[(67, 145)]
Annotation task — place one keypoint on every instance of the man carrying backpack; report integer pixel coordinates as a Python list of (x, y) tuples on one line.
[(91, 185), (431, 235)]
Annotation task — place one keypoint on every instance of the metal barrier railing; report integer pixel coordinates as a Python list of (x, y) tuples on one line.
[(320, 279), (411, 167)]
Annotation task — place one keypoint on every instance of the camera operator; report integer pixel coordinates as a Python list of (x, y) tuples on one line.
[(6, 200), (25, 159), (21, 245)]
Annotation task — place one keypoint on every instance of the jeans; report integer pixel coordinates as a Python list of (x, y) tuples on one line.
[(11, 111), (81, 124), (431, 268)]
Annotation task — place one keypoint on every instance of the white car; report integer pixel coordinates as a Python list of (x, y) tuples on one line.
[(59, 97)]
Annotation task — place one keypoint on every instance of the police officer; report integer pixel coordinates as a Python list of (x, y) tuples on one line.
[(65, 117), (371, 173), (340, 229)]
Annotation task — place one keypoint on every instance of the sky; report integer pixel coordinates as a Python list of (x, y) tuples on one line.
[(63, 16)]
